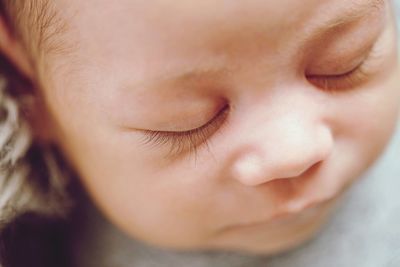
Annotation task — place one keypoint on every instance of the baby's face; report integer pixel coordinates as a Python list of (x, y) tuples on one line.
[(223, 124)]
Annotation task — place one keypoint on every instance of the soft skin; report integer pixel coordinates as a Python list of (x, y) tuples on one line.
[(293, 135)]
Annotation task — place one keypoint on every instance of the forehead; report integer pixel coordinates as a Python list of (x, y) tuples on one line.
[(198, 19), (210, 12), (177, 32)]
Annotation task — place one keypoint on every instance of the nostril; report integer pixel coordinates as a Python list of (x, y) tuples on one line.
[(298, 167)]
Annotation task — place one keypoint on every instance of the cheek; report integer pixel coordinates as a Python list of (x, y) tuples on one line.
[(164, 208), (365, 121), (137, 193)]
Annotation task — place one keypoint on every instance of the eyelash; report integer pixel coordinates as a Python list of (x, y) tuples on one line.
[(188, 140), (341, 81), (348, 80)]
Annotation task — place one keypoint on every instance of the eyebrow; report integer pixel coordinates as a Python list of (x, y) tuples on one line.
[(218, 65), (188, 71), (354, 11)]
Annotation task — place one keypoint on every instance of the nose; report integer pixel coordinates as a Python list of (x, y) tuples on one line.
[(290, 148)]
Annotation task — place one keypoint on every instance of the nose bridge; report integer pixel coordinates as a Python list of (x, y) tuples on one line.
[(283, 146)]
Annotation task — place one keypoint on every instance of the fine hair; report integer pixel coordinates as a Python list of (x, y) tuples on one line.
[(33, 175)]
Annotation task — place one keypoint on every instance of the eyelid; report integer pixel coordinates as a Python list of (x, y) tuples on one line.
[(342, 81), (190, 140), (349, 79)]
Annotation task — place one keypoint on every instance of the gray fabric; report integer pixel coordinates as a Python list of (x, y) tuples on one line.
[(397, 6)]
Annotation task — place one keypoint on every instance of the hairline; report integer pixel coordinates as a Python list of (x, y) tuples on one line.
[(38, 25)]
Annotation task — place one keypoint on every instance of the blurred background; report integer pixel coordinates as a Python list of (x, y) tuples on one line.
[(397, 2)]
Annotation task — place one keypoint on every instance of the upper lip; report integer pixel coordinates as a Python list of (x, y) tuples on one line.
[(289, 210)]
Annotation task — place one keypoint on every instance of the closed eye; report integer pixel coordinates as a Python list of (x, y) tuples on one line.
[(348, 79), (343, 81), (186, 141)]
